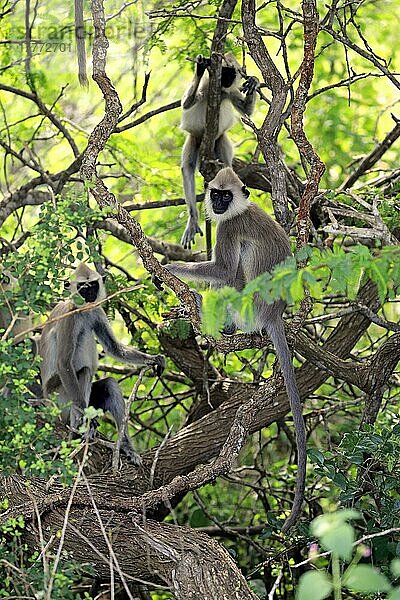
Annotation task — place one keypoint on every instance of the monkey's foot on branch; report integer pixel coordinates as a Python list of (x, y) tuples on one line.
[(131, 455), (90, 433)]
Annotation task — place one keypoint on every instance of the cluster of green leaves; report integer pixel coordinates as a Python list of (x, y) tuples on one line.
[(56, 242), (372, 456), (337, 537), (337, 271), (23, 575)]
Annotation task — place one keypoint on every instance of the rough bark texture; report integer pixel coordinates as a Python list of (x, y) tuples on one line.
[(190, 563)]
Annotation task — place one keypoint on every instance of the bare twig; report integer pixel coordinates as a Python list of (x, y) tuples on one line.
[(372, 158), (65, 524), (361, 540), (125, 420)]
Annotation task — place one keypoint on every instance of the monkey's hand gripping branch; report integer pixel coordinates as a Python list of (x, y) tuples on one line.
[(100, 192)]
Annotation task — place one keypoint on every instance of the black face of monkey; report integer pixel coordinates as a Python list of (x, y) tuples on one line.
[(228, 76), (220, 200), (89, 291)]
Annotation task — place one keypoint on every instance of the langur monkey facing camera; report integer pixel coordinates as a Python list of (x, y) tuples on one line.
[(248, 243), (69, 357), (194, 105)]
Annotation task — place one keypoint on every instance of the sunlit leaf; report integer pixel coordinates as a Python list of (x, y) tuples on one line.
[(314, 585), (365, 579)]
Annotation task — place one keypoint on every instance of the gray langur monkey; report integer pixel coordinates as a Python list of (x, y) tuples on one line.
[(69, 357), (248, 243), (80, 42), (234, 94)]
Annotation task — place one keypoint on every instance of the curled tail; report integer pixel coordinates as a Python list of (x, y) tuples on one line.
[(276, 332)]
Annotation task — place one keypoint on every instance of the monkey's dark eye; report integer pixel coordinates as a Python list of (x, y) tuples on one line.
[(227, 196), (221, 196)]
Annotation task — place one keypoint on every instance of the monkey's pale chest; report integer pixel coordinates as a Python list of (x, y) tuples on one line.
[(194, 118), (251, 259), (85, 354)]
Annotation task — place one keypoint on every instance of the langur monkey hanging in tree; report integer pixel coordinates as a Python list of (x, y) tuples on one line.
[(194, 108), (248, 243), (69, 357)]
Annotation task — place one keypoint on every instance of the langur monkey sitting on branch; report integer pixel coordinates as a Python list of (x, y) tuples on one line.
[(249, 243), (69, 357), (194, 105)]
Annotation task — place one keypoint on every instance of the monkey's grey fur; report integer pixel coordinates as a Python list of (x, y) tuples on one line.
[(249, 243), (194, 105), (68, 349)]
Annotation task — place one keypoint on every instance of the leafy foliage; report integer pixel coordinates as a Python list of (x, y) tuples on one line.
[(336, 272), (26, 575), (337, 536)]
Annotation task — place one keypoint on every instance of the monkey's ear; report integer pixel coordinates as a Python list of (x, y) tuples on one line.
[(245, 192)]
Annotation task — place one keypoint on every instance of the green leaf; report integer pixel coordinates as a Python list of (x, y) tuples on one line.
[(325, 523), (365, 579), (314, 585), (335, 534), (394, 595), (379, 279), (315, 456), (296, 288), (340, 481), (266, 533), (395, 567), (339, 540), (198, 518)]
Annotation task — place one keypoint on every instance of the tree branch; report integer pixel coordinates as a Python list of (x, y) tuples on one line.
[(372, 158), (310, 23), (267, 135)]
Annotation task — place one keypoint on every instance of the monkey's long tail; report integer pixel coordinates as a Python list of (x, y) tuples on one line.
[(276, 332), (80, 42)]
